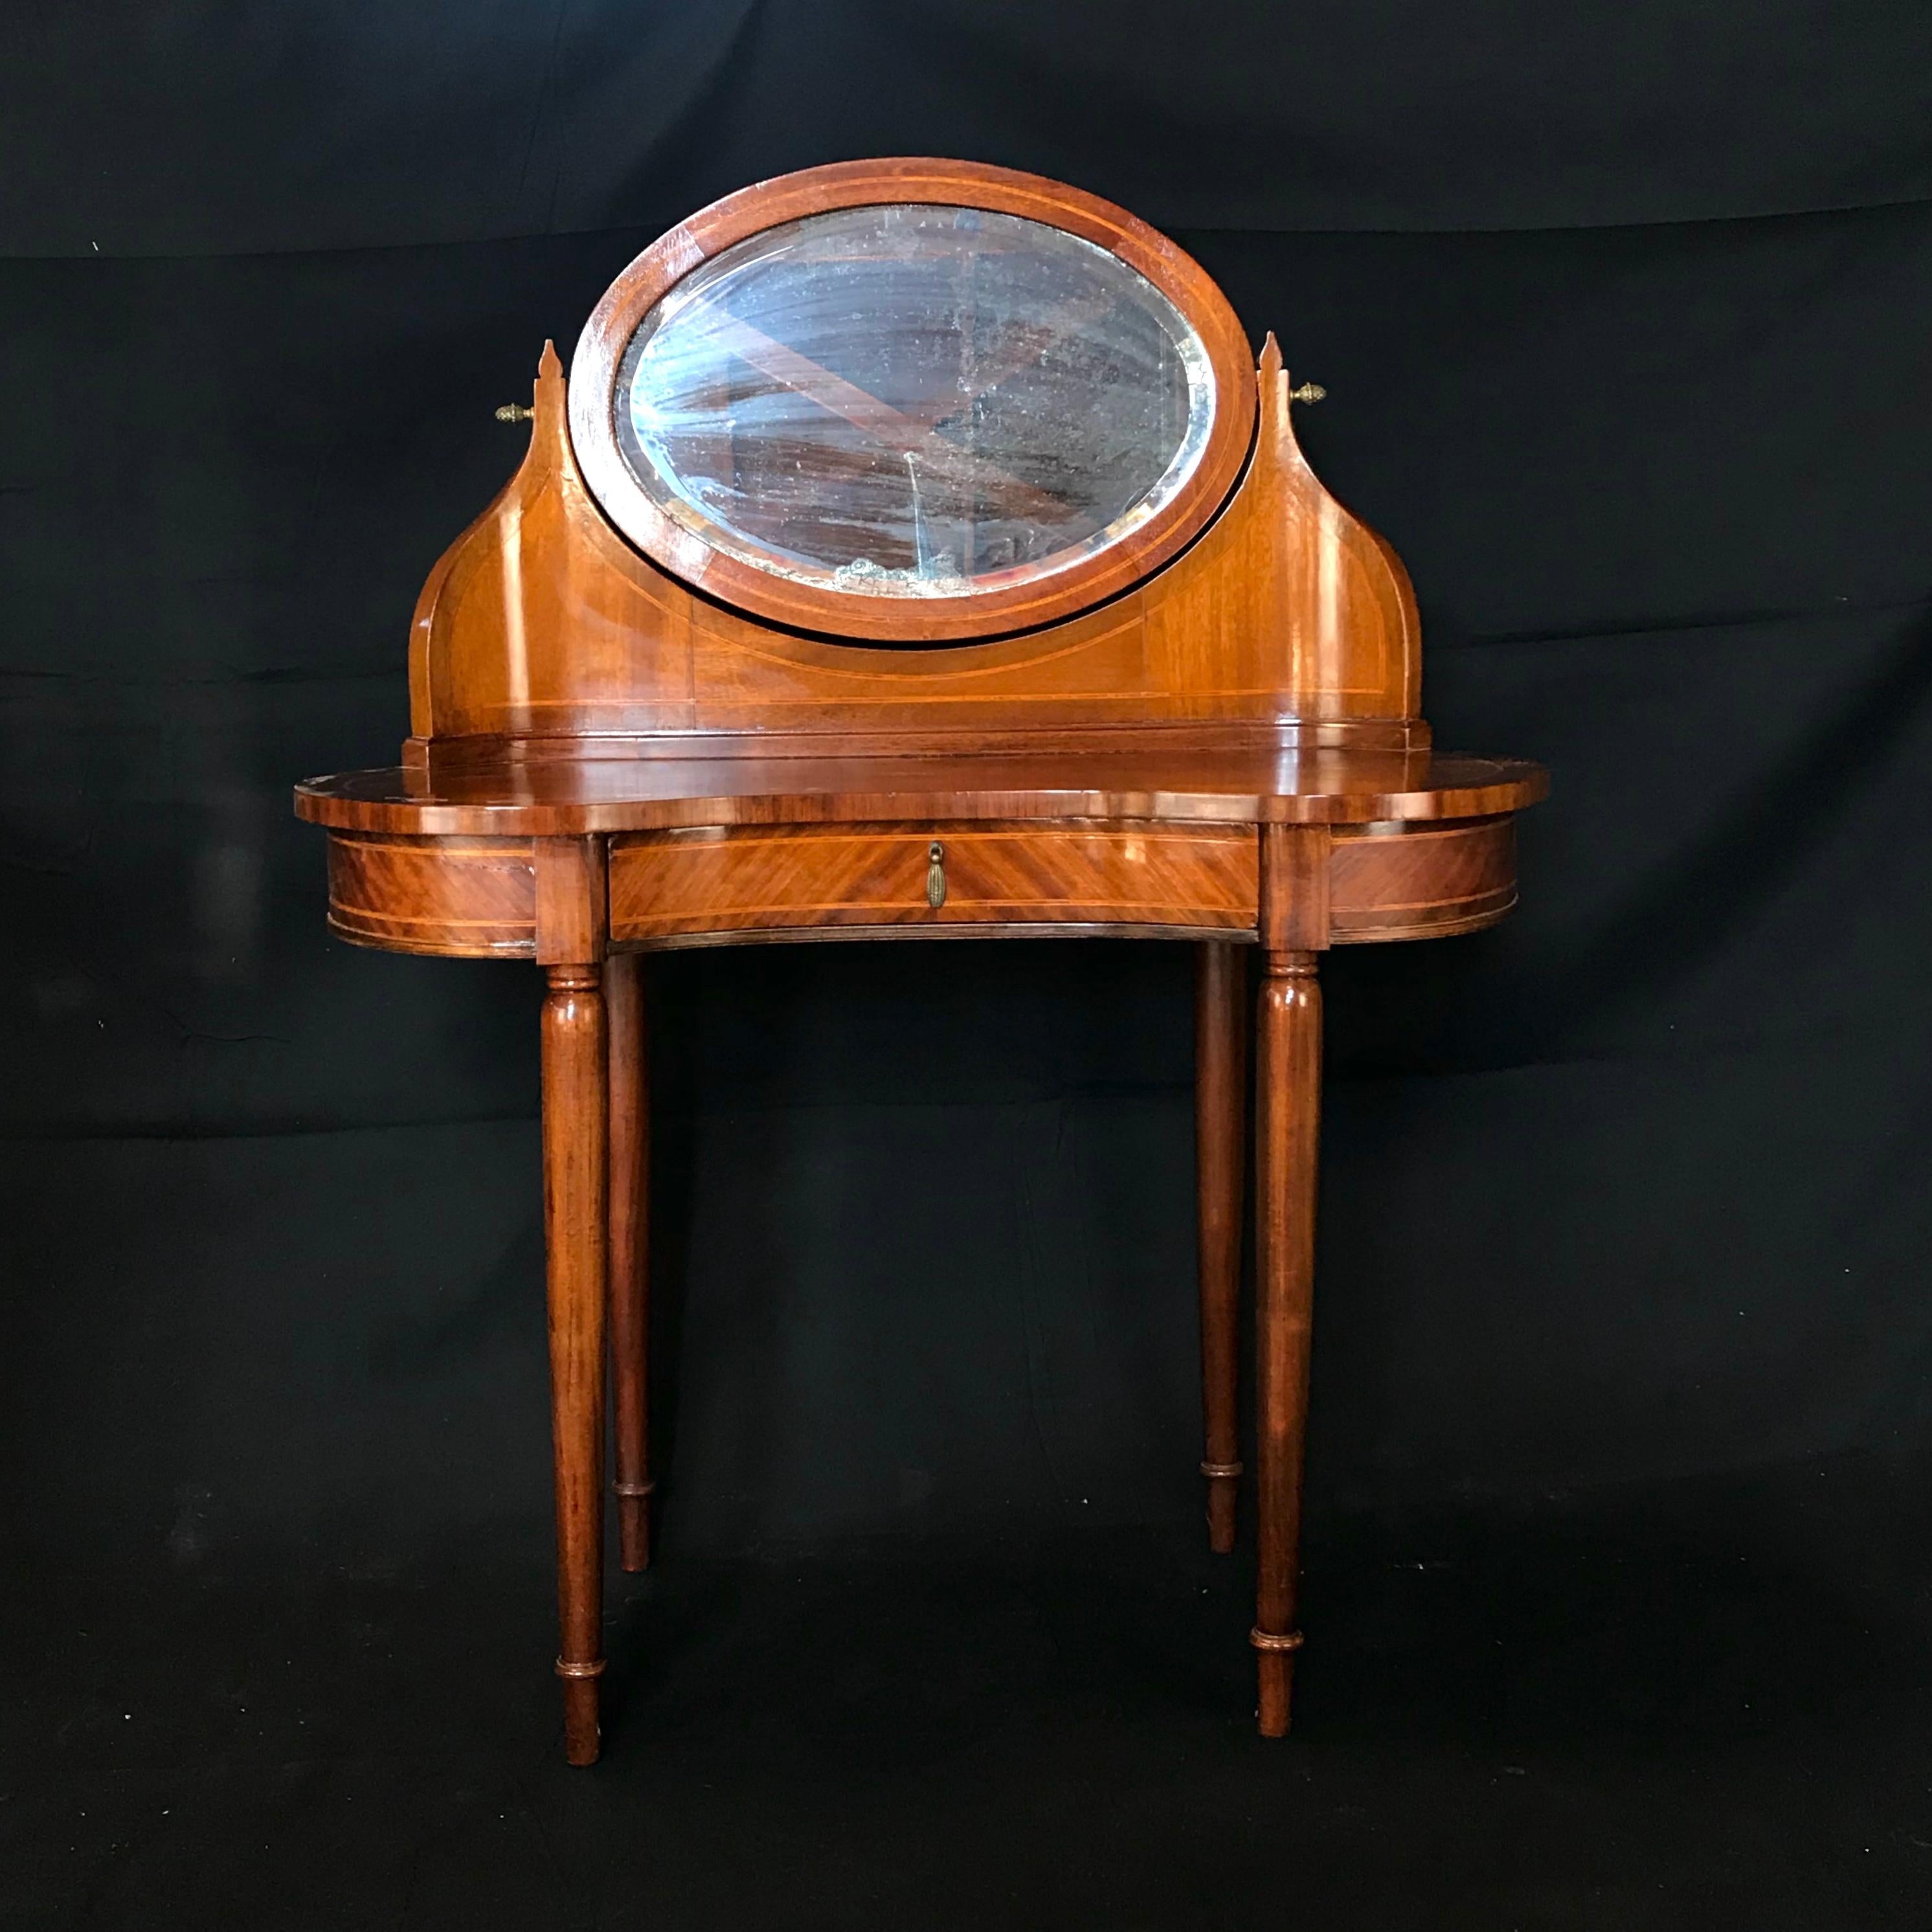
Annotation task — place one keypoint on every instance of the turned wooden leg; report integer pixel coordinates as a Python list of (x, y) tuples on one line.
[(1287, 1052), (576, 1179), (1220, 1118), (630, 1289)]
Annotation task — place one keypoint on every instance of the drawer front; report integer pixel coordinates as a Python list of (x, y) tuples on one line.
[(472, 898), (1420, 881), (667, 885)]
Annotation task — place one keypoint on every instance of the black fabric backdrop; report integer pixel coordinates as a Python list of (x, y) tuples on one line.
[(1623, 313)]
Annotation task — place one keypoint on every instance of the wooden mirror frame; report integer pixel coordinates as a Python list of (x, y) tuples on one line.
[(854, 614)]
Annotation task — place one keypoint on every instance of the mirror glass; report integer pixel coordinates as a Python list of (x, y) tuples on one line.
[(910, 400)]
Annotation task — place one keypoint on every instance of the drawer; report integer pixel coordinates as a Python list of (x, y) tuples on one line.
[(668, 886)]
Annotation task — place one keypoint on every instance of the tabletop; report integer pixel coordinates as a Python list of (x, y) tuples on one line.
[(509, 792)]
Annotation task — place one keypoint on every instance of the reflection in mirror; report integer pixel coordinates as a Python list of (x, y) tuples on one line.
[(913, 401)]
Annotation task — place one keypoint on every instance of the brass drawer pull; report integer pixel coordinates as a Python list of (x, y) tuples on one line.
[(935, 875)]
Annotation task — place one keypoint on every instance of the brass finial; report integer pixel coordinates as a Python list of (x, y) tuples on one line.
[(1309, 392), (515, 413)]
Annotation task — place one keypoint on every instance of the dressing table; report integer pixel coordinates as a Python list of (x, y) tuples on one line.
[(916, 549)]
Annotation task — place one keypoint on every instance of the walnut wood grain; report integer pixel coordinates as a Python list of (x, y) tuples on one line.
[(1287, 614), (629, 1269), (1220, 1146), (572, 899), (1295, 910), (1420, 881), (463, 898), (721, 880), (1288, 1057), (575, 1182), (507, 793)]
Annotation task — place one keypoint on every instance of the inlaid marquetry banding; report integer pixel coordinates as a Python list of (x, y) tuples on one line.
[(1274, 1640), (467, 897), (497, 851), (1404, 884)]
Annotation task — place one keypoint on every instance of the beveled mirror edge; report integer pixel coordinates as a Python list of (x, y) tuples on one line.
[(841, 613)]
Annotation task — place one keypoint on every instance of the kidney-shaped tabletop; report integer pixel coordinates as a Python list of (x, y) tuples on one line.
[(1412, 844)]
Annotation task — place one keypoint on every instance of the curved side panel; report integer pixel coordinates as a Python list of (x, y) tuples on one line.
[(1419, 880), (1289, 604), (539, 620), (469, 899)]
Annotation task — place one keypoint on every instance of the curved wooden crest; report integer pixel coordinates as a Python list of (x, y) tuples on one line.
[(1287, 621)]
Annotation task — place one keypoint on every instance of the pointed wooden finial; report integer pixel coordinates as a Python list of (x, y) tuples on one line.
[(1270, 364), (550, 376)]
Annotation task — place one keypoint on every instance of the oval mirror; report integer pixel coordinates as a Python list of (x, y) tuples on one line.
[(912, 417)]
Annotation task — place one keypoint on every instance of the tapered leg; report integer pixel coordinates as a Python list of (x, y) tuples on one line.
[(1288, 1049), (630, 1289), (1220, 1119), (576, 1180)]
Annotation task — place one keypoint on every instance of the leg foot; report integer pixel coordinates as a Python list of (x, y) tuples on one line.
[(634, 1530), (1221, 1497), (582, 1737), (1274, 1666)]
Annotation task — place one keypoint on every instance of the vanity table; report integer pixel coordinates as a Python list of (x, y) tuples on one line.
[(916, 549)]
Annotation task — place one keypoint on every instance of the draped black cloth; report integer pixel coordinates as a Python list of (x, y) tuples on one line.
[(1623, 314)]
